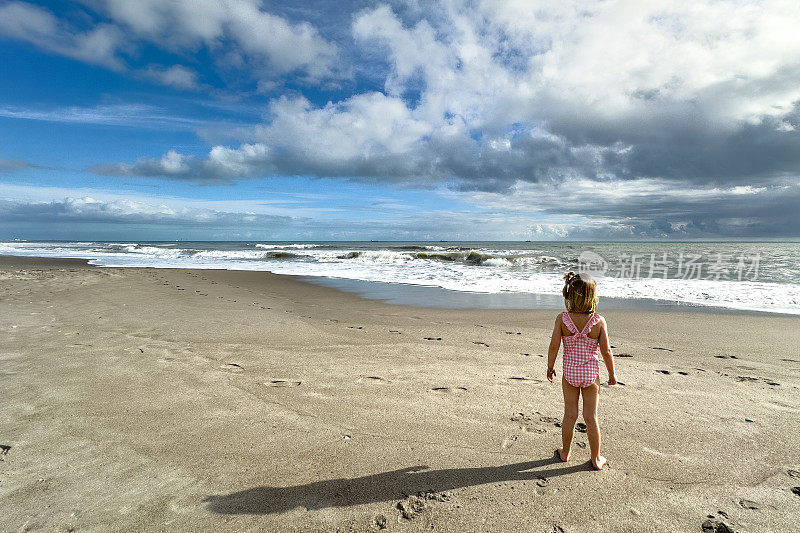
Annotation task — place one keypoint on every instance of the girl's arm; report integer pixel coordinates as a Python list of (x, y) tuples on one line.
[(605, 350), (552, 351)]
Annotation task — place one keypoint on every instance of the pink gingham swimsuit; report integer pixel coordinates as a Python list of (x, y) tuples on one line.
[(581, 365)]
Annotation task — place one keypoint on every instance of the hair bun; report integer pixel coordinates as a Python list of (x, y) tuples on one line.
[(569, 276)]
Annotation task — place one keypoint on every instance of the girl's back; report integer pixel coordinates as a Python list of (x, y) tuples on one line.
[(580, 320), (583, 333)]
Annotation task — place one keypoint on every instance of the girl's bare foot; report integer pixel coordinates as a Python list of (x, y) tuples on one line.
[(562, 456), (599, 463)]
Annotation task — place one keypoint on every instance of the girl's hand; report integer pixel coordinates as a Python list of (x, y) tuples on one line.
[(551, 373), (612, 379)]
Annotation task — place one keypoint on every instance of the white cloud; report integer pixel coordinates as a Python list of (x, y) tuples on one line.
[(283, 46), (303, 139), (412, 51), (37, 26), (614, 57), (126, 115), (176, 76), (181, 23), (271, 44), (363, 126)]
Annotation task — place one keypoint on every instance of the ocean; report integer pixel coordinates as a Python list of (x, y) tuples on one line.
[(752, 276)]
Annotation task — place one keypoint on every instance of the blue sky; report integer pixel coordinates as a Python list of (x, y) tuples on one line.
[(516, 120)]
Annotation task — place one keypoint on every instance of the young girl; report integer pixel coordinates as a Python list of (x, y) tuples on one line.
[(582, 331)]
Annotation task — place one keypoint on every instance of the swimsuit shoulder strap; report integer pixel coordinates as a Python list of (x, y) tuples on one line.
[(595, 318), (568, 322)]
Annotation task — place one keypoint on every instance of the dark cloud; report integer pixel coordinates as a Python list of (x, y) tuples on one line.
[(88, 210), (14, 165), (771, 210)]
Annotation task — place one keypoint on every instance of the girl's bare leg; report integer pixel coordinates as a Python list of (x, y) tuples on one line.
[(571, 395), (591, 397)]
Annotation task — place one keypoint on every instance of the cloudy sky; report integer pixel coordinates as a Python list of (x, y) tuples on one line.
[(512, 120)]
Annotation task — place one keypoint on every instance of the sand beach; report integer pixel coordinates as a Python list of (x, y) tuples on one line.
[(147, 399)]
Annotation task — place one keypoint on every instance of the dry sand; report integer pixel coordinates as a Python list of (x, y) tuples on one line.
[(180, 400)]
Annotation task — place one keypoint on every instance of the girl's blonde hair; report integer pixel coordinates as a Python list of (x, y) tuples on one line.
[(580, 293)]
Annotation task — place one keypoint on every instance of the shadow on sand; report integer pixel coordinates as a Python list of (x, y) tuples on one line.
[(385, 486)]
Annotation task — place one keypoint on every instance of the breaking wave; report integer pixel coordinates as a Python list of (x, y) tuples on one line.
[(474, 267)]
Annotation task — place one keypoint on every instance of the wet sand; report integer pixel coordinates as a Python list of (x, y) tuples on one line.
[(189, 400)]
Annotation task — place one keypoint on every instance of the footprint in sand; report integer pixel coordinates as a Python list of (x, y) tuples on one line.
[(793, 473), (373, 379), (660, 348), (380, 521), (232, 367), (4, 449), (530, 429), (432, 338), (513, 333), (665, 372), (713, 525), (748, 504), (283, 383), (395, 331), (355, 327), (550, 420), (411, 507), (622, 355), (480, 343), (531, 423), (448, 390), (508, 442), (726, 357), (519, 379), (580, 427), (753, 379)]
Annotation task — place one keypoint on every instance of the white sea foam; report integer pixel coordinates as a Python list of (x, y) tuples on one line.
[(286, 246), (478, 269)]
